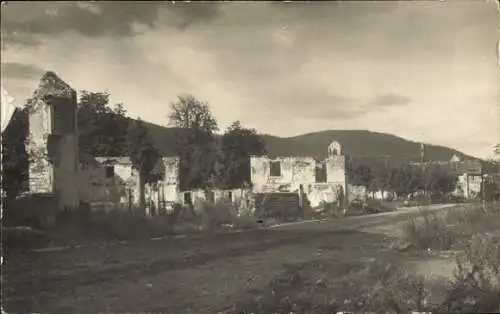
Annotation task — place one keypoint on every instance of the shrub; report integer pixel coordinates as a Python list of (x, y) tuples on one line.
[(388, 288), (383, 288), (23, 237), (244, 222), (126, 225), (331, 209), (476, 284), (214, 215), (370, 206), (428, 231), (380, 288)]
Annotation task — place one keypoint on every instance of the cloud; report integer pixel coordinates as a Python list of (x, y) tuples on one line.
[(26, 23), (388, 100), (322, 105), (14, 70), (315, 66)]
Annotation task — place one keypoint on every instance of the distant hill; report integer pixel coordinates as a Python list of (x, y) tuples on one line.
[(356, 143)]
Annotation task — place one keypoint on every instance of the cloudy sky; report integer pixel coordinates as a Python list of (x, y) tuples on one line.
[(425, 71)]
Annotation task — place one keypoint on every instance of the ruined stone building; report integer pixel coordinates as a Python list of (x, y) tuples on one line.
[(53, 141), (60, 173), (469, 173), (319, 180), (113, 183)]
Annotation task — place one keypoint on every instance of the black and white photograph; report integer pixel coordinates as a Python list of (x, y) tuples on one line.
[(241, 157)]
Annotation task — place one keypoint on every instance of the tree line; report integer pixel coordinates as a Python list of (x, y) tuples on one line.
[(207, 159), (402, 178)]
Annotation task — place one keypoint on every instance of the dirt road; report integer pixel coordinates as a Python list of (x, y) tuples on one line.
[(196, 274)]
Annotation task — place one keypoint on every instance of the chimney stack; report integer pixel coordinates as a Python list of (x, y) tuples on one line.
[(422, 153)]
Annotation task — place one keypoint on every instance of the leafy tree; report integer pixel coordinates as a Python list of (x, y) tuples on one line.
[(402, 176), (15, 159), (194, 115), (143, 154), (359, 173), (196, 144), (382, 174), (444, 180), (102, 129), (141, 150), (238, 144)]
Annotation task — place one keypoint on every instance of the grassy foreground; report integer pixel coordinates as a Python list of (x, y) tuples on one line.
[(389, 287), (119, 225)]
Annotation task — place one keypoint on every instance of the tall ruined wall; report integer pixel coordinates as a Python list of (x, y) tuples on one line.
[(53, 141), (336, 174), (171, 183), (99, 190), (336, 169), (41, 174), (294, 171)]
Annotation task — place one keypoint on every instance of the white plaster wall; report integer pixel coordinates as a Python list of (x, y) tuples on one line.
[(379, 195), (357, 192), (474, 186), (95, 188), (66, 173), (41, 175), (321, 192), (335, 169), (468, 186), (62, 175), (304, 171), (294, 171), (461, 188), (171, 179)]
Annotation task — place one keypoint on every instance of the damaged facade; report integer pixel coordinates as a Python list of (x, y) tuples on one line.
[(469, 172), (53, 141), (113, 183), (320, 181), (62, 174), (68, 178)]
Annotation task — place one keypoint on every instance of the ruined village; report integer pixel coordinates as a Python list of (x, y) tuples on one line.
[(62, 178), (104, 211)]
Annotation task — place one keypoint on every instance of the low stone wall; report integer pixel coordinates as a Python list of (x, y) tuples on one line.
[(33, 210)]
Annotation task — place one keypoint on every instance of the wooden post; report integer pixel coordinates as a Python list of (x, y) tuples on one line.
[(483, 190)]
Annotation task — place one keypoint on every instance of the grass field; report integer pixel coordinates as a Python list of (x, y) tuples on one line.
[(348, 263)]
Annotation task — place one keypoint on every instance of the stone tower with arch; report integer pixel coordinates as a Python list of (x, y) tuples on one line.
[(53, 142), (334, 149), (336, 173)]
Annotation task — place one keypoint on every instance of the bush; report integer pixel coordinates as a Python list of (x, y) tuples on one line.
[(370, 206), (211, 216), (125, 225), (476, 284), (429, 231), (244, 222), (383, 287), (121, 225), (331, 209), (23, 237), (215, 215), (379, 288)]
